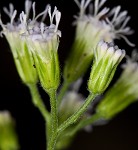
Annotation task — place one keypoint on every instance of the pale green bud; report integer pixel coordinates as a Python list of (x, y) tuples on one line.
[(90, 29), (107, 58), (8, 137), (122, 94)]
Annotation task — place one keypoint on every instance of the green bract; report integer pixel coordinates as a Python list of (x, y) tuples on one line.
[(46, 62), (23, 58), (107, 58)]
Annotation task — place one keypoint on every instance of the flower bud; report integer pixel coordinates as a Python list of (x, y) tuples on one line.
[(104, 66)]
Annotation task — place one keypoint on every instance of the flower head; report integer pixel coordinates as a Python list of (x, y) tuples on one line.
[(92, 24), (107, 58), (43, 42), (12, 31), (112, 24), (123, 93)]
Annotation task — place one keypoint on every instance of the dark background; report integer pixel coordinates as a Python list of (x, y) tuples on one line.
[(119, 134)]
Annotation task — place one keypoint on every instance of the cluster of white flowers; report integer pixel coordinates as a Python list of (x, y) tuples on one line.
[(34, 46), (35, 29), (111, 21), (34, 32)]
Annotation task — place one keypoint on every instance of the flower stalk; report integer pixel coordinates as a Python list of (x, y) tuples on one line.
[(38, 102), (77, 114), (54, 120)]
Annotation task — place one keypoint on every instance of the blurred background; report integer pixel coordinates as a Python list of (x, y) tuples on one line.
[(121, 133)]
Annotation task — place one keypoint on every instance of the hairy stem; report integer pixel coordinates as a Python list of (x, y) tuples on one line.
[(77, 114), (54, 120), (84, 123), (38, 102)]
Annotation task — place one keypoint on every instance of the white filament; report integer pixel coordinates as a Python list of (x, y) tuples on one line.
[(33, 7), (82, 5), (45, 14), (10, 11), (58, 17), (13, 16), (28, 5)]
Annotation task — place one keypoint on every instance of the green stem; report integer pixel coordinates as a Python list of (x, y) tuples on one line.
[(54, 120), (84, 123), (78, 114), (47, 130), (88, 121), (37, 101), (62, 92)]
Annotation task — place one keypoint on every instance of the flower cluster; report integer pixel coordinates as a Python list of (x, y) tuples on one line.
[(34, 46)]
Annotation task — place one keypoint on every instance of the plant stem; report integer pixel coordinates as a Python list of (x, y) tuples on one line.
[(38, 102), (62, 92), (77, 114), (47, 131), (88, 121), (54, 120), (84, 123)]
